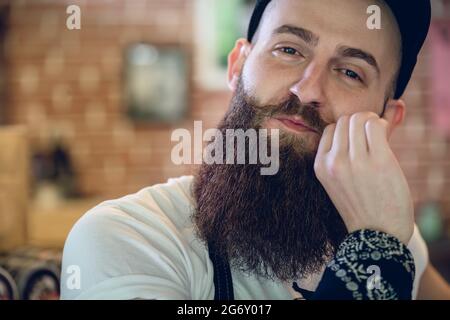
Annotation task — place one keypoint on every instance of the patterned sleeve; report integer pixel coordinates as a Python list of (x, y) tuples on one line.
[(369, 265)]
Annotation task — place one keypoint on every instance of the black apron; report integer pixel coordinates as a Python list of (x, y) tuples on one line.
[(223, 281)]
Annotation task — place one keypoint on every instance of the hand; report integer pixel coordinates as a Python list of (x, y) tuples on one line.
[(362, 177)]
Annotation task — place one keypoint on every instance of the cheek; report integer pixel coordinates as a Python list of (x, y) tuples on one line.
[(342, 103), (264, 82)]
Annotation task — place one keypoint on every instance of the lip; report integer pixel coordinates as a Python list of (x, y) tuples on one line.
[(295, 124)]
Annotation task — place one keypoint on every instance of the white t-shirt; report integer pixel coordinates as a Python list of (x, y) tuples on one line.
[(142, 246)]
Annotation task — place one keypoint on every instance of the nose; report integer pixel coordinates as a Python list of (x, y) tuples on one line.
[(310, 88)]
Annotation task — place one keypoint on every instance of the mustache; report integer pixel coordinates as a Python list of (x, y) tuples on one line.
[(292, 106)]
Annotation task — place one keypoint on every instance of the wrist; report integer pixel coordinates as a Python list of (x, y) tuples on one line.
[(362, 253), (404, 235)]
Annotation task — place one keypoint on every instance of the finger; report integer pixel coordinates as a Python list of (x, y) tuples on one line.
[(327, 140), (377, 135), (358, 139), (341, 136)]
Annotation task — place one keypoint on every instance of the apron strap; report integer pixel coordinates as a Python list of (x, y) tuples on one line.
[(307, 295), (223, 282)]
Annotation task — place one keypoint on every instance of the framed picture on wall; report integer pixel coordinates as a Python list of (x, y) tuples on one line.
[(156, 83)]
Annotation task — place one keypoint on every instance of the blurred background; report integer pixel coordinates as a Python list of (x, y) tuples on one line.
[(87, 111)]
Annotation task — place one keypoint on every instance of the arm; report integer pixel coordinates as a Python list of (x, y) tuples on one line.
[(120, 259), (363, 178), (433, 286), (349, 275)]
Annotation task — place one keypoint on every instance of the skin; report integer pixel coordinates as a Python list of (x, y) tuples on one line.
[(354, 160)]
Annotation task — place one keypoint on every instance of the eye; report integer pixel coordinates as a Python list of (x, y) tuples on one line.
[(351, 74), (289, 51)]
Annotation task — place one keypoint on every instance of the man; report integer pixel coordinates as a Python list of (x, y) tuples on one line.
[(331, 85)]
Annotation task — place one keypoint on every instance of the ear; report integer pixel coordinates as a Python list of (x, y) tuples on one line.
[(394, 114), (236, 60)]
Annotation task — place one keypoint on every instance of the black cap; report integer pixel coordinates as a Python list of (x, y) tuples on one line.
[(413, 19)]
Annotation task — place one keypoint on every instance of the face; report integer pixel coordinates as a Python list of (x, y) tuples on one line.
[(323, 53), (310, 63), (281, 227)]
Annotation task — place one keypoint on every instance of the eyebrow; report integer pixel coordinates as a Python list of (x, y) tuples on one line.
[(312, 39), (348, 52), (306, 35)]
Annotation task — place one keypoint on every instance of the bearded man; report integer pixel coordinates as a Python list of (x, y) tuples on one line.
[(330, 86)]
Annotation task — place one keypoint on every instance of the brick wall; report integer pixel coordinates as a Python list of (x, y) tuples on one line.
[(70, 81), (423, 151)]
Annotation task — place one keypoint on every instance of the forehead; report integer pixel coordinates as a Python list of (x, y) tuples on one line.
[(336, 22)]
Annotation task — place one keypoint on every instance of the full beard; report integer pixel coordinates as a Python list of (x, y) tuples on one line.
[(283, 226)]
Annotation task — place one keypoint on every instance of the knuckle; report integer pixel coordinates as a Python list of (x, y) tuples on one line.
[(330, 127), (372, 123), (383, 122), (363, 116), (344, 119), (376, 124), (335, 166), (371, 114), (357, 118), (329, 130), (318, 167)]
